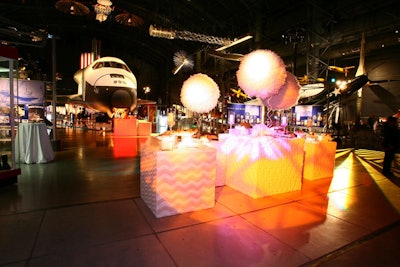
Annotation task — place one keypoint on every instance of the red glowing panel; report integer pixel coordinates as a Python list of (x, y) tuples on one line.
[(125, 147), (125, 127)]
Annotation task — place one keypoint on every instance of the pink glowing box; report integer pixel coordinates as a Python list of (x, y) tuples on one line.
[(177, 181)]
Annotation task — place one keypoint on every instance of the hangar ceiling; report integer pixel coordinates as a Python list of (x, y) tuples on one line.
[(298, 31)]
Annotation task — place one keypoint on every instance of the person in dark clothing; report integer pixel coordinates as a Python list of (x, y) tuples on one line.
[(390, 143)]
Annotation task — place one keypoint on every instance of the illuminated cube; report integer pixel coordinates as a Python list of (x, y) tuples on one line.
[(319, 160), (264, 166), (221, 162), (125, 126), (177, 181), (144, 128)]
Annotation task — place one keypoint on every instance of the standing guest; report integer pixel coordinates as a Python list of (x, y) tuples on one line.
[(390, 143)]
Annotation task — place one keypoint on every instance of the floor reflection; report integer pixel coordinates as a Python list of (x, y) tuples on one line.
[(85, 208)]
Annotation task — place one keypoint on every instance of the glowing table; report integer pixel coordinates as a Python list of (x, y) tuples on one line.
[(220, 163), (125, 126), (319, 160), (143, 128), (263, 166), (177, 181), (33, 143)]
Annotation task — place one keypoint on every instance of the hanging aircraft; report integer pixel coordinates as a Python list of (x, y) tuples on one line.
[(106, 85), (344, 70), (352, 86), (362, 80)]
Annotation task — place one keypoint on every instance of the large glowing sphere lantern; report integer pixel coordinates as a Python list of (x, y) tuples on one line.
[(199, 93), (261, 73), (288, 95)]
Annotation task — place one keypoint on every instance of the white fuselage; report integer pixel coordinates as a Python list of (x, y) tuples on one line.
[(106, 85)]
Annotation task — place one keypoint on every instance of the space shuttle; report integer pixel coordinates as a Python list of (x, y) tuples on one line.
[(106, 85)]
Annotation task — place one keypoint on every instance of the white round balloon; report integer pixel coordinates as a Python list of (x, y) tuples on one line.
[(261, 73), (199, 93)]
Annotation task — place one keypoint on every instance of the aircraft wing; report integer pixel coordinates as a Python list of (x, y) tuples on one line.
[(68, 99)]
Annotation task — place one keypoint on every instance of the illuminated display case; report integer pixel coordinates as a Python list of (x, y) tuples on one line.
[(9, 170)]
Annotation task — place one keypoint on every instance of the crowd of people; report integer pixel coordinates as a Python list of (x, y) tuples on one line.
[(390, 144)]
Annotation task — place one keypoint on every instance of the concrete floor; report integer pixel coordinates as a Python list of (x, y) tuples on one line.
[(84, 209)]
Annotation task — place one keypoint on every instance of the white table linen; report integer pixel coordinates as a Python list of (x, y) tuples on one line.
[(33, 144)]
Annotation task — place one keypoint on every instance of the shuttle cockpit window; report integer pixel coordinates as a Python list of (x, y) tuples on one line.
[(125, 67), (120, 66), (111, 64), (98, 65)]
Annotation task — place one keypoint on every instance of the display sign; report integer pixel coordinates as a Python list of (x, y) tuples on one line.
[(308, 115), (29, 92), (242, 113), (26, 93)]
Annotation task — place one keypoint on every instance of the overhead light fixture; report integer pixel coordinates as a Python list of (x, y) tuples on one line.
[(129, 19), (103, 9), (294, 35), (162, 33), (234, 42), (72, 7), (178, 68), (227, 56), (182, 60), (187, 35)]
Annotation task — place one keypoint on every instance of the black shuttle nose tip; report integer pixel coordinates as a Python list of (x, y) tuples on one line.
[(121, 99)]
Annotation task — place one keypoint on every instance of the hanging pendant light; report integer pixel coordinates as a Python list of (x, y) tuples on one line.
[(72, 7), (129, 19), (103, 9)]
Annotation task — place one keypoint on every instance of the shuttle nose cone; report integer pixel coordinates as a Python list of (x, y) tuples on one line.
[(121, 99)]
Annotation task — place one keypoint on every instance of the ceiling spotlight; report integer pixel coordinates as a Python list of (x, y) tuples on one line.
[(146, 89)]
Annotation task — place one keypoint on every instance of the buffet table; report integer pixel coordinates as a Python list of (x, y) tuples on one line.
[(178, 180), (262, 166), (33, 144)]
